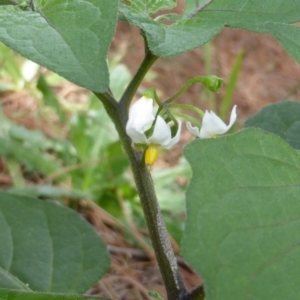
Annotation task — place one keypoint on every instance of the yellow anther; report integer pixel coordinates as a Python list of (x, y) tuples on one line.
[(151, 154)]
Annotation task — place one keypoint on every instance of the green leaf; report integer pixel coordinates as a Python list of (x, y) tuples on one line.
[(242, 228), (281, 118), (26, 146), (119, 79), (49, 192), (70, 38), (33, 159), (50, 98), (231, 85), (198, 27), (252, 15), (20, 295), (288, 36), (147, 7), (46, 247)]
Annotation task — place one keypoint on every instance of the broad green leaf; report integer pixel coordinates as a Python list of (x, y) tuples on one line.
[(20, 295), (198, 27), (252, 15), (70, 38), (147, 7), (46, 247), (288, 36), (243, 229), (281, 118)]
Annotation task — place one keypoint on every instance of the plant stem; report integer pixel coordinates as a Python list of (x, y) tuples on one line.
[(137, 79), (157, 230), (213, 83), (118, 112)]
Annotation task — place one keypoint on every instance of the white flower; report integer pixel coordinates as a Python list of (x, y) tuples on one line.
[(141, 118), (212, 125)]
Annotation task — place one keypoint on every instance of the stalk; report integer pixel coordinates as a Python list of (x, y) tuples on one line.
[(157, 230)]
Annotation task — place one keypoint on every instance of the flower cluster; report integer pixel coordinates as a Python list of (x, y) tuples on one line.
[(152, 131)]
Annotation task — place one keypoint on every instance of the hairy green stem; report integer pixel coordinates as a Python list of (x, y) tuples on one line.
[(118, 112)]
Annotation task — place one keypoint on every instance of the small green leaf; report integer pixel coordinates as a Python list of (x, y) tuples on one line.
[(242, 230), (70, 38), (281, 118), (20, 295), (46, 247), (231, 84)]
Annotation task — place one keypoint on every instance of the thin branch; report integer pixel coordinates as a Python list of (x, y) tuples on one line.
[(189, 83), (130, 91), (198, 9)]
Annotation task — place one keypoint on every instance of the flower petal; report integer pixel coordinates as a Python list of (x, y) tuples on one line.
[(213, 125), (176, 138), (140, 117), (141, 114), (193, 130), (161, 134), (136, 136), (233, 117)]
